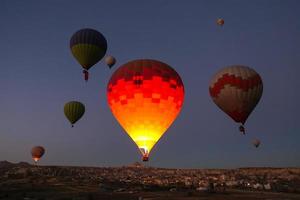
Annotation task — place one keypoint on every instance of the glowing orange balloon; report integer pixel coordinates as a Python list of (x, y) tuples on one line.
[(145, 96), (37, 152)]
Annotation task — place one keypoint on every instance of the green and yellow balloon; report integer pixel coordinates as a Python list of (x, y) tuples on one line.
[(74, 110), (88, 46)]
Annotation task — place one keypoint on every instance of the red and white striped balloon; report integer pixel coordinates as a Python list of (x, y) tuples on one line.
[(236, 90)]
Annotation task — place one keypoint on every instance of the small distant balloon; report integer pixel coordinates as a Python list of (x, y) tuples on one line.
[(88, 46), (220, 22), (37, 152), (74, 110), (110, 61), (256, 142)]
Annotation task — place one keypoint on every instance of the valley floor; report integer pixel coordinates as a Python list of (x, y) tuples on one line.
[(82, 193)]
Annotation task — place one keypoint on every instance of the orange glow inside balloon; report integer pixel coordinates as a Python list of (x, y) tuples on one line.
[(145, 96)]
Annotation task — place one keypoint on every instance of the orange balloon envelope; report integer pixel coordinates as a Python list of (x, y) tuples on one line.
[(37, 152), (145, 96)]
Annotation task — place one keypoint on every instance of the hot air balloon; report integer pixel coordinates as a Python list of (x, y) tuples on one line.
[(236, 90), (220, 22), (110, 61), (74, 110), (88, 46), (256, 143), (145, 96), (37, 152)]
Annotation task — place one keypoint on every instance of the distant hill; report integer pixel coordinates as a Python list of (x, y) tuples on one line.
[(6, 164), (137, 177)]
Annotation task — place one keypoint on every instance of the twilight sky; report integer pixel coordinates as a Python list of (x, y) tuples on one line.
[(39, 75)]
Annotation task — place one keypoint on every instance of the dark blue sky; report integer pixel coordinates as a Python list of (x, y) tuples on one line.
[(39, 75)]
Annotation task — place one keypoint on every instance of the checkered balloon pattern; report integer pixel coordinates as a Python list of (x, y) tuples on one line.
[(145, 96)]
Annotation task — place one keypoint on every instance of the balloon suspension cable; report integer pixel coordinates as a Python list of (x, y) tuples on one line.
[(86, 75), (242, 129)]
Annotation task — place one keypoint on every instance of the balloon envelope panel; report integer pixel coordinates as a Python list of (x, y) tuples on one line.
[(88, 46), (37, 152), (236, 90), (74, 110), (145, 96)]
